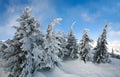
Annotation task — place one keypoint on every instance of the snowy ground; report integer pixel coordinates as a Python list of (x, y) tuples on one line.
[(77, 68)]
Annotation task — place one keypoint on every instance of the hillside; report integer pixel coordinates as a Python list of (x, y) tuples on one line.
[(77, 68)]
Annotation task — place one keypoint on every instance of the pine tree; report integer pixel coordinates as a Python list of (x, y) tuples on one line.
[(20, 53), (101, 55), (62, 43), (72, 46), (50, 46), (85, 46)]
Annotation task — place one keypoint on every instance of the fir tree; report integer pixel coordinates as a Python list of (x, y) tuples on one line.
[(21, 53), (62, 43), (85, 46), (101, 55), (50, 46), (72, 46)]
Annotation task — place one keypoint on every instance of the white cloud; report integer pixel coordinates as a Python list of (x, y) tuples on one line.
[(11, 10), (42, 9), (114, 44), (115, 33), (86, 17), (80, 12), (6, 32), (89, 17), (114, 29)]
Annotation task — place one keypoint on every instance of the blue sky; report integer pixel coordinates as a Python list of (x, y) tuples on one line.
[(91, 14)]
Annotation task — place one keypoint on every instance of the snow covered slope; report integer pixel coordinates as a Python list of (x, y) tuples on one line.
[(92, 70), (77, 68)]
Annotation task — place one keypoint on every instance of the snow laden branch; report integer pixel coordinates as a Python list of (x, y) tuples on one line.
[(71, 28), (55, 21), (52, 24)]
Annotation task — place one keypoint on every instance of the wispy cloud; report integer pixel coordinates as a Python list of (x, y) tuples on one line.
[(89, 17), (114, 45), (114, 30), (7, 31), (11, 10), (42, 9), (115, 33), (83, 13)]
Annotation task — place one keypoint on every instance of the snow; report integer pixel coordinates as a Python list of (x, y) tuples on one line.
[(2, 73), (77, 68), (92, 70), (55, 73)]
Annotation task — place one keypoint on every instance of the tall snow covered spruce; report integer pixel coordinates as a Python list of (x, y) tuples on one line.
[(62, 43), (21, 53), (72, 46), (101, 54), (85, 46), (51, 48)]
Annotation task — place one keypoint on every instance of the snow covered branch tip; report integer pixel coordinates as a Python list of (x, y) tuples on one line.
[(55, 21)]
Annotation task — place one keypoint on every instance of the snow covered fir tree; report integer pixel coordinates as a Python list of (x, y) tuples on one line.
[(50, 45), (101, 54), (62, 43), (72, 46), (20, 53), (85, 46)]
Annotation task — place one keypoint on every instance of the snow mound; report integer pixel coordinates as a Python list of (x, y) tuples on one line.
[(89, 69), (55, 73)]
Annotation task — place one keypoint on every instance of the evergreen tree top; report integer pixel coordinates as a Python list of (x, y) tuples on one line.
[(27, 12), (70, 33), (85, 36)]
